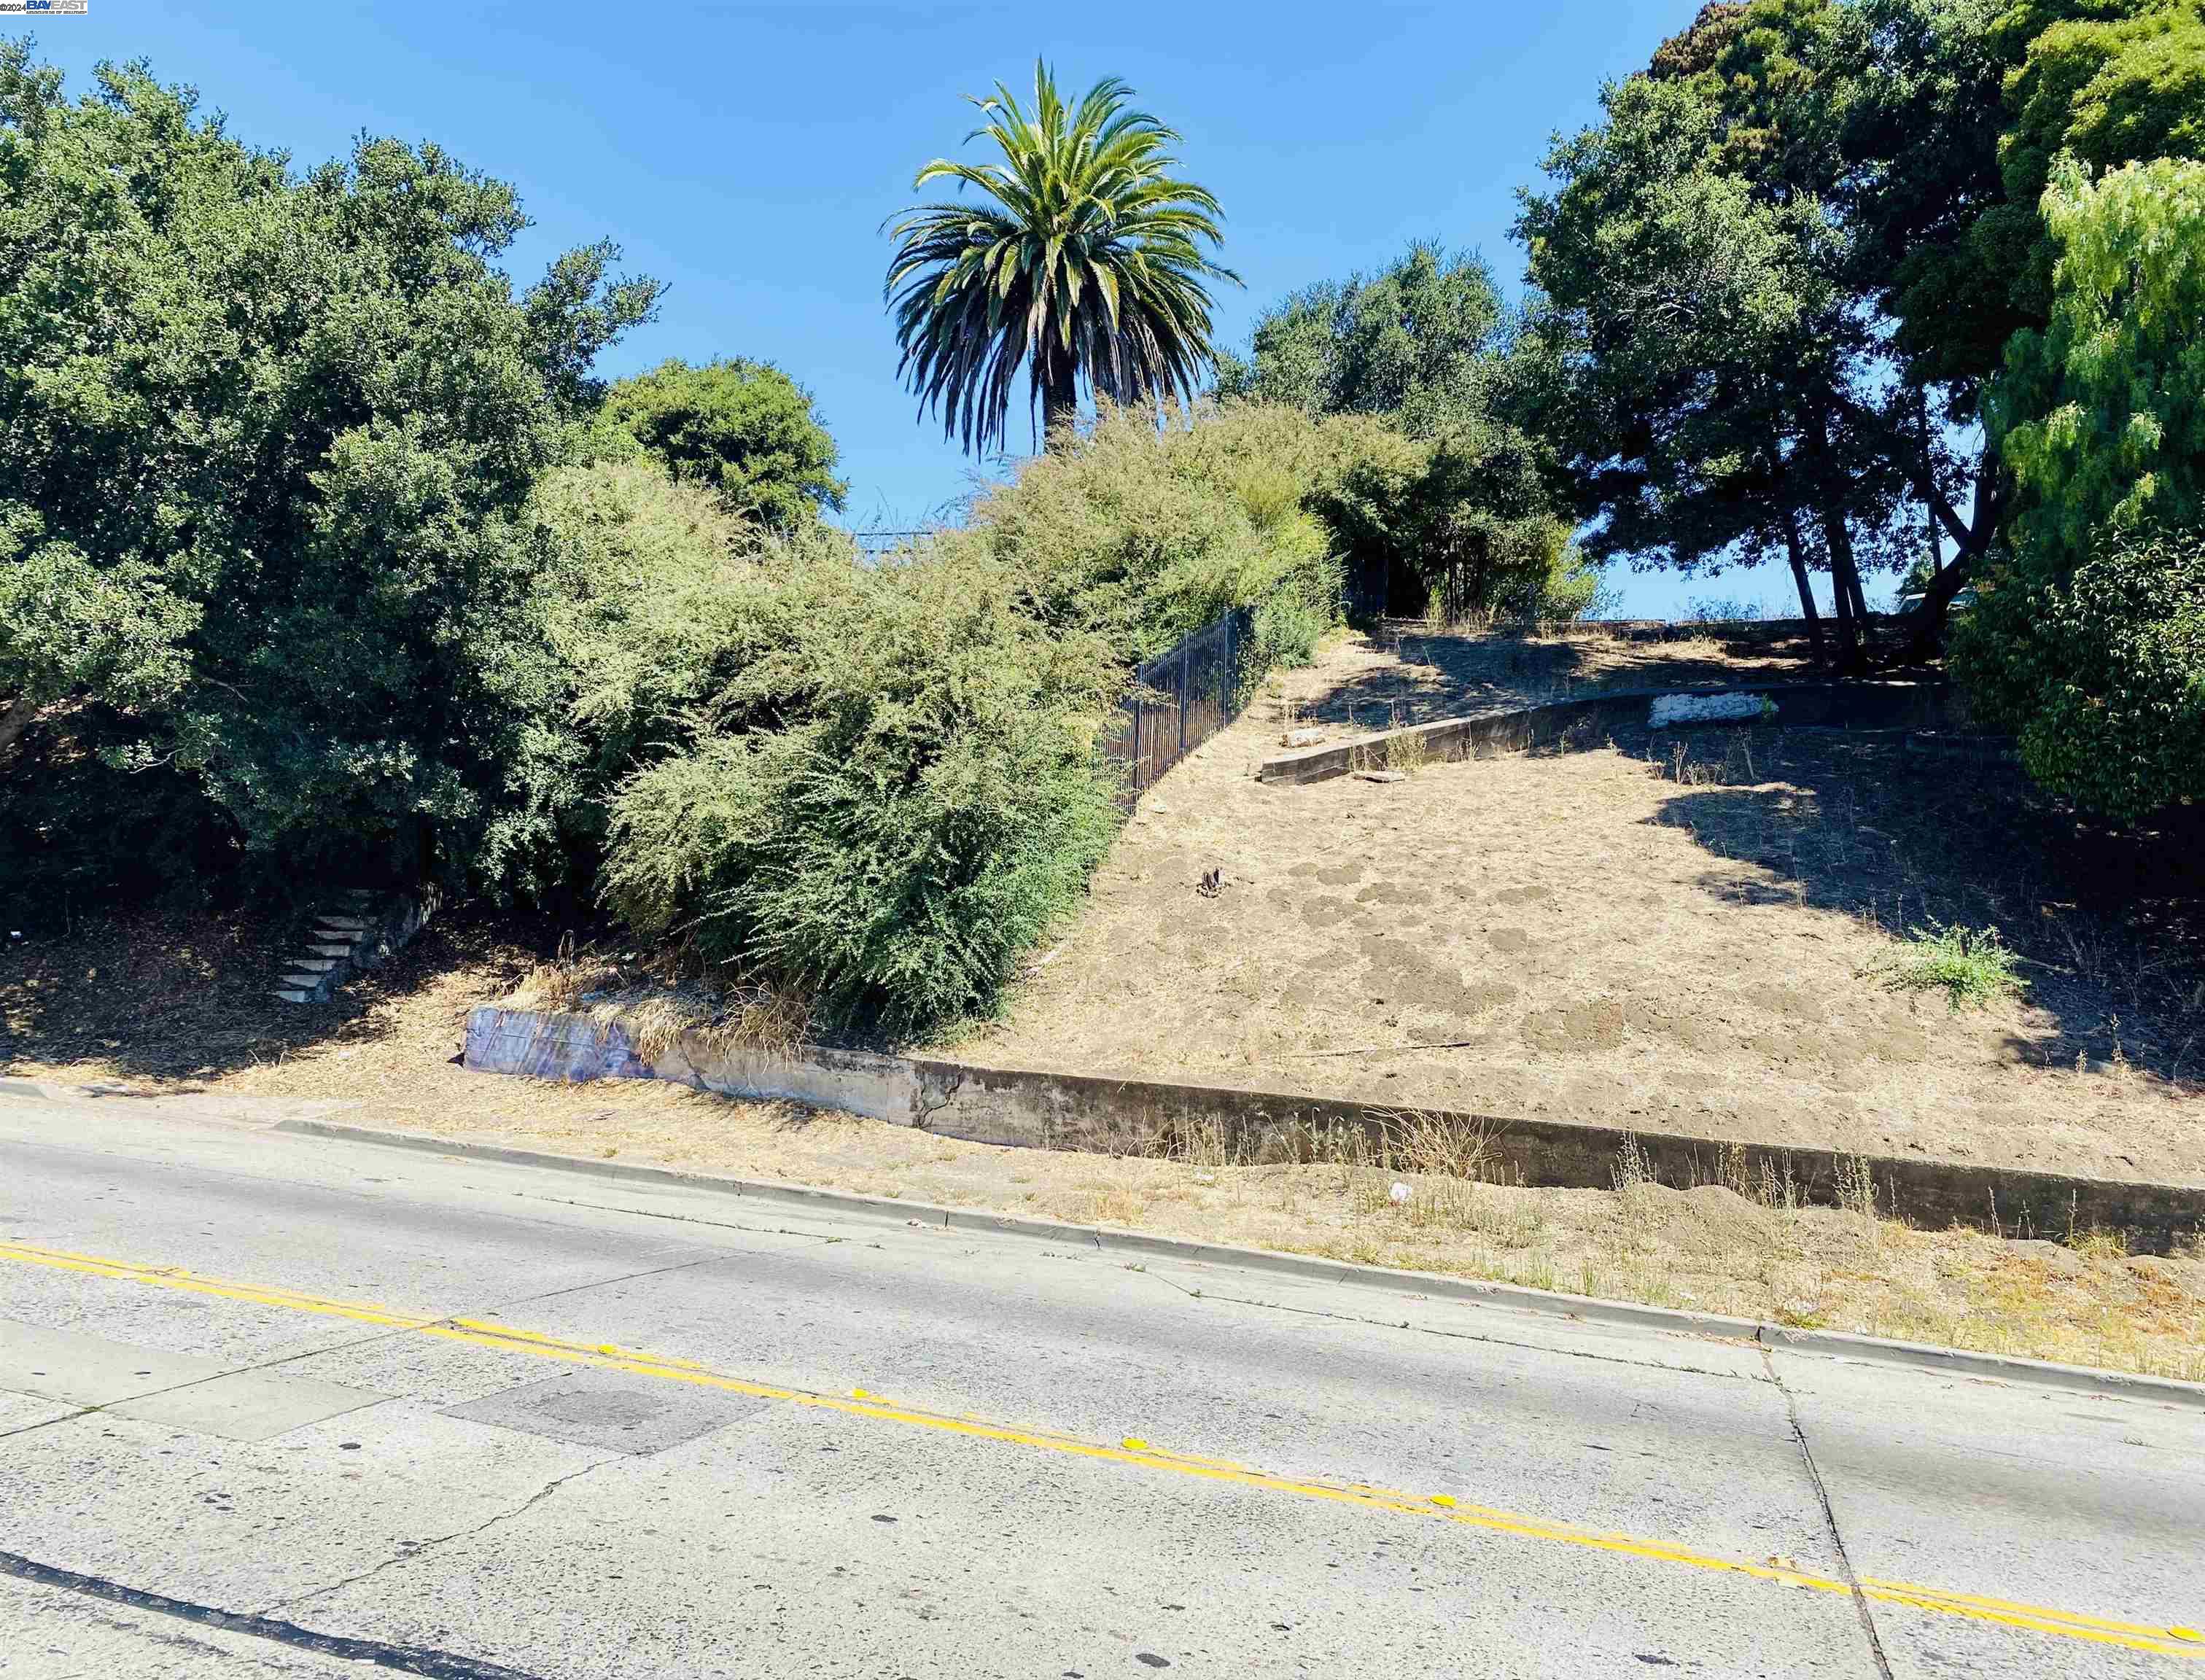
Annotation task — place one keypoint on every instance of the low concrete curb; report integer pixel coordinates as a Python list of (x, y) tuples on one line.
[(1863, 705), (1951, 1361), (1033, 1108)]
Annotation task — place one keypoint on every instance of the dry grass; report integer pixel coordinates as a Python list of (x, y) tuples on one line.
[(1677, 933), (657, 1009), (1743, 1247)]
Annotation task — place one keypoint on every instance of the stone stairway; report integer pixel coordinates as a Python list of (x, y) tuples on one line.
[(362, 930)]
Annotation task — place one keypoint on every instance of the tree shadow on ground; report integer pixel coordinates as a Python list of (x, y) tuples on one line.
[(2110, 926), (188, 994), (1440, 674)]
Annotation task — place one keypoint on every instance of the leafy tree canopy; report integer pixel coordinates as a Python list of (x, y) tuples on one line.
[(1416, 342), (744, 429), (267, 438), (1469, 516), (2101, 415)]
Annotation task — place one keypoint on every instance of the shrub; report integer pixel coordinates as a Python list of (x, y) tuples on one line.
[(1140, 533), (645, 610), (889, 793), (1971, 966), (743, 429), (2101, 676), (1573, 588)]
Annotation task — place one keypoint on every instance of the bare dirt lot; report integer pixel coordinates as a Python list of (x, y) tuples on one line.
[(1675, 931)]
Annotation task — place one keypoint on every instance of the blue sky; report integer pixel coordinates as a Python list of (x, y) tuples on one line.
[(747, 154)]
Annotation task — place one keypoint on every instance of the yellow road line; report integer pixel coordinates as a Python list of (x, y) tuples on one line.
[(2162, 1641)]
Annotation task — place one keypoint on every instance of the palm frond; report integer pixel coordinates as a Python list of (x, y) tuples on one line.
[(1081, 258)]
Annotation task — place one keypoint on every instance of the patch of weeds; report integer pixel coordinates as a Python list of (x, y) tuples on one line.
[(1632, 1167), (1970, 965), (2096, 1244), (1856, 1186), (1406, 752), (1457, 1146)]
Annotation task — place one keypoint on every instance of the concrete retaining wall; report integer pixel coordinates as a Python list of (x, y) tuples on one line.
[(1070, 1111), (1862, 705)]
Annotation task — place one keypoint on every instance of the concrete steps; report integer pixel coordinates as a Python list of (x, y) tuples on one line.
[(358, 930)]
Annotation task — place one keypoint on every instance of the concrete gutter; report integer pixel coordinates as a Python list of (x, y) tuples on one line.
[(1038, 1109), (1951, 1361), (1855, 705)]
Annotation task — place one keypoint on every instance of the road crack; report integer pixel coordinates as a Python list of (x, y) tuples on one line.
[(411, 1550), (1388, 1323), (1830, 1520)]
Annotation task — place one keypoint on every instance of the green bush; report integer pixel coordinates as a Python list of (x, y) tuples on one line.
[(889, 793), (1573, 588), (645, 611), (1140, 533), (2100, 676)]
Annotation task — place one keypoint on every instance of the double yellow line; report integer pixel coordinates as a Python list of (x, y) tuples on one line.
[(2164, 1641)]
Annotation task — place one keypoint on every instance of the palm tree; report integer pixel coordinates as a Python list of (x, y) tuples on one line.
[(1086, 262)]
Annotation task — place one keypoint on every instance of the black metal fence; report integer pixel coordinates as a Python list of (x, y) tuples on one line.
[(1179, 699)]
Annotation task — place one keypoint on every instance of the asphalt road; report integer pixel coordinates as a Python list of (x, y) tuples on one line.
[(289, 1406)]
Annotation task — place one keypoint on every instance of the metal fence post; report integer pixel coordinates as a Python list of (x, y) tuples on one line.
[(1136, 754), (1225, 684), (1185, 671)]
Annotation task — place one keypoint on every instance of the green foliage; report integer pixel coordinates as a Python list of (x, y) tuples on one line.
[(2102, 416), (889, 793), (1701, 335), (746, 429), (1139, 533), (1087, 265), (644, 599), (2091, 644), (1971, 966), (2101, 83), (1466, 516), (268, 442), (2100, 675), (1416, 343)]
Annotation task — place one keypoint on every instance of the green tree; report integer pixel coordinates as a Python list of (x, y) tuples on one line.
[(744, 429), (1476, 523), (1417, 343), (2090, 643), (265, 444), (1084, 264), (2101, 415), (1949, 116), (1707, 351)]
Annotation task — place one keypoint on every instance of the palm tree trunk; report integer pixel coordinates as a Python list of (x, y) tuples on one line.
[(1059, 398)]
